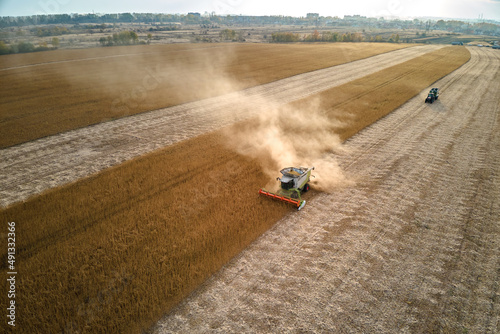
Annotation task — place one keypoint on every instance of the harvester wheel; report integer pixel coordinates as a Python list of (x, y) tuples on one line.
[(306, 188)]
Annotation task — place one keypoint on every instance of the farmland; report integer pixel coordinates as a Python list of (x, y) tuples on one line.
[(114, 251), (82, 152), (96, 85), (411, 248)]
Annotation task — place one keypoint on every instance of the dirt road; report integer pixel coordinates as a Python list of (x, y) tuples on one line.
[(413, 247), (39, 165)]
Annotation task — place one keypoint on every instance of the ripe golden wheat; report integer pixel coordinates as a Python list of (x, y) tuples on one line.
[(114, 252)]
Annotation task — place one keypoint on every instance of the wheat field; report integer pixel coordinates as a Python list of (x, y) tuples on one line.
[(53, 92), (114, 252)]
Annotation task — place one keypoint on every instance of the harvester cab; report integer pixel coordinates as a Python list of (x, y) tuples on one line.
[(293, 182)]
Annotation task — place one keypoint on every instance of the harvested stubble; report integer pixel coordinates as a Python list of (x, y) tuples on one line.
[(362, 102), (70, 89), (113, 252)]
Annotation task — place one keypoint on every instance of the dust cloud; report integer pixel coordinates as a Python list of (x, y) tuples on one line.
[(279, 135), (151, 77), (293, 135)]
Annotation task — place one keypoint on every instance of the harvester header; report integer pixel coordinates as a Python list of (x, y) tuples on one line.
[(293, 182)]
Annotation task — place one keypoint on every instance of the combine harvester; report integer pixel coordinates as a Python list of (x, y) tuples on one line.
[(293, 182)]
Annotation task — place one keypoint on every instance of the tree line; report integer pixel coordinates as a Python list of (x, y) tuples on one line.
[(49, 31), (122, 38), (328, 36), (489, 27), (25, 47), (76, 19)]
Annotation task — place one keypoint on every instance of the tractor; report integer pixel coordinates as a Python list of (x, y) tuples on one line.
[(432, 96), (293, 182)]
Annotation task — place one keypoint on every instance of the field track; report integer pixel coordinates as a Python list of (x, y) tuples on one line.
[(414, 247), (53, 161)]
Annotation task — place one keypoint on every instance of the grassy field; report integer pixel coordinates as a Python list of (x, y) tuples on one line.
[(113, 252), (52, 92)]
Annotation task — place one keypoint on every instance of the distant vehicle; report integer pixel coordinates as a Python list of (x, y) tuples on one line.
[(496, 47), (457, 43), (432, 96)]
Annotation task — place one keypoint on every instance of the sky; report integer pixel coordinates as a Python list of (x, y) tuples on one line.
[(465, 9)]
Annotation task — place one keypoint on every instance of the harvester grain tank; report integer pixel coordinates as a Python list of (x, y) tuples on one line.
[(293, 182)]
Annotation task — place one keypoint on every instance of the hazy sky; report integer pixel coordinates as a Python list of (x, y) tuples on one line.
[(490, 9)]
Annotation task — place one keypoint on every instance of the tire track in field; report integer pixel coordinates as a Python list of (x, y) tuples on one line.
[(31, 168), (414, 247)]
